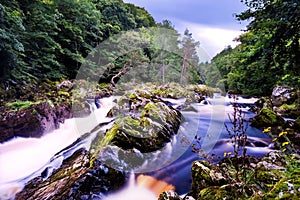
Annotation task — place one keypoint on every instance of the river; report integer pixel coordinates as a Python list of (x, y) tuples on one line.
[(22, 159)]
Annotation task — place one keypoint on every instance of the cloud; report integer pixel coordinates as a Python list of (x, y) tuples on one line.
[(212, 39), (217, 12), (212, 22)]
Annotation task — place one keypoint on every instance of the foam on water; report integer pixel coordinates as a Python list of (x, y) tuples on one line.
[(21, 158), (25, 158)]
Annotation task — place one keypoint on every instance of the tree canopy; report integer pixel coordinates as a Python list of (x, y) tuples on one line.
[(268, 53), (50, 38)]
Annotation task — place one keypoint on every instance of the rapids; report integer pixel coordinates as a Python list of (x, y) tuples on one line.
[(22, 159)]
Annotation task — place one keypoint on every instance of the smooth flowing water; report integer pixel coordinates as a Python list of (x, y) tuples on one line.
[(203, 134), (25, 158), (22, 159)]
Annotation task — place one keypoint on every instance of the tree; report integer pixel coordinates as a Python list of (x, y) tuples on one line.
[(268, 53), (273, 37), (190, 58)]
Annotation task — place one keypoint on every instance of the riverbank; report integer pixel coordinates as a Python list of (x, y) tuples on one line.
[(132, 125)]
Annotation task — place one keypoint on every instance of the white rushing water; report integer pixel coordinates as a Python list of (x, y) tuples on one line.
[(24, 158)]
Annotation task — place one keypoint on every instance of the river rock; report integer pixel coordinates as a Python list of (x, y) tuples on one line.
[(144, 122), (283, 94), (77, 178), (122, 160), (266, 118), (279, 175), (33, 121), (205, 175), (170, 195), (263, 102)]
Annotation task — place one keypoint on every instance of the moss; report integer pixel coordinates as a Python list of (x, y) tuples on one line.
[(19, 105), (132, 126), (267, 177), (103, 86), (214, 192), (132, 96), (63, 93), (288, 106), (266, 118)]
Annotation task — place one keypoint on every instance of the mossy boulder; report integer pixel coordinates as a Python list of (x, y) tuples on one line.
[(289, 110), (267, 118), (276, 176), (170, 195), (214, 192), (263, 102), (205, 175), (32, 109), (144, 122), (279, 177)]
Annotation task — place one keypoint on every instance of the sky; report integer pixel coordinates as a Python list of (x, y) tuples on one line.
[(211, 22)]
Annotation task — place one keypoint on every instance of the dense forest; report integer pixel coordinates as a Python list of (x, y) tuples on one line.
[(52, 39)]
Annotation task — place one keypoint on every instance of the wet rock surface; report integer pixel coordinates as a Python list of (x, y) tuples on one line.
[(279, 114), (33, 121), (283, 94), (76, 179), (145, 122)]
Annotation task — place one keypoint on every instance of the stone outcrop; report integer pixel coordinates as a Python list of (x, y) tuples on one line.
[(281, 95), (31, 110), (33, 121), (275, 176)]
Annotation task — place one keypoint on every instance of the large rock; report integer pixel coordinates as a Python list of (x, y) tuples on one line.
[(33, 121), (205, 175), (78, 178), (267, 118), (276, 176), (263, 102), (145, 122), (281, 95)]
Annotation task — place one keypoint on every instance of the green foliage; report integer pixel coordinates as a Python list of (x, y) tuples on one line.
[(268, 53), (11, 47), (50, 39)]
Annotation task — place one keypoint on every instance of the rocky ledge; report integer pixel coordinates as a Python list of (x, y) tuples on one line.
[(32, 110)]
